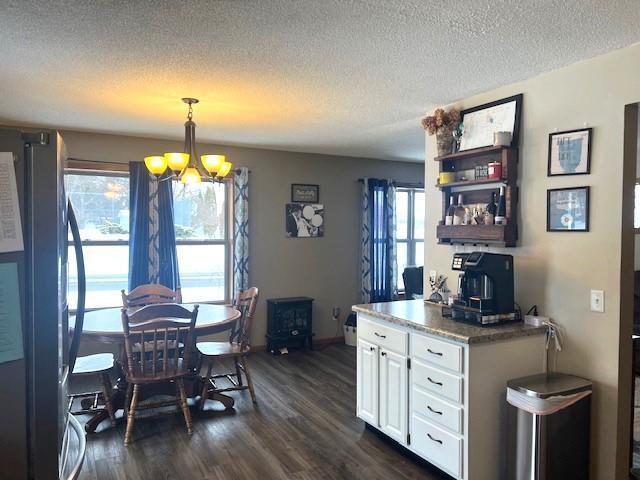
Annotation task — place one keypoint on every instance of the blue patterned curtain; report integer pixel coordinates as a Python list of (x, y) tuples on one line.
[(378, 240), (240, 230), (152, 242)]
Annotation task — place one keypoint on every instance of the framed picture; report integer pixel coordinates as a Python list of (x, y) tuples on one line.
[(303, 220), (568, 209), (304, 193), (482, 121), (570, 152)]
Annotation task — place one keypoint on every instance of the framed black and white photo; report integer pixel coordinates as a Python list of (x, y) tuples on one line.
[(305, 193), (570, 152), (568, 209), (481, 122), (304, 220)]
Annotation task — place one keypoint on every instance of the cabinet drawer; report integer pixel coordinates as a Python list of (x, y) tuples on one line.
[(384, 336), (438, 352), (436, 380), (437, 446), (436, 409)]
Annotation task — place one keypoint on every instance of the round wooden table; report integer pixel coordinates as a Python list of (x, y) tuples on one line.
[(105, 326)]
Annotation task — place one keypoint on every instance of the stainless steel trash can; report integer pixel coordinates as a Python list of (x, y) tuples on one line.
[(548, 419)]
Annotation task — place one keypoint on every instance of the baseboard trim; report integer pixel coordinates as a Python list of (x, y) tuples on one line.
[(316, 342)]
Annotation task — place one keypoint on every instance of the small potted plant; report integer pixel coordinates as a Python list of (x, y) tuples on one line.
[(439, 289), (442, 124)]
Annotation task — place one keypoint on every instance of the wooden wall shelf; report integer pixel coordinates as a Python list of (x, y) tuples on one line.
[(499, 235), (479, 192), (476, 152), (487, 182)]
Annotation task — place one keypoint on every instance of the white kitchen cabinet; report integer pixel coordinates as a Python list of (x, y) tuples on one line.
[(441, 399), (393, 395), (367, 382)]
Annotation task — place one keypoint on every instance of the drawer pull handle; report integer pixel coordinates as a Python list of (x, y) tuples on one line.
[(434, 353), (372, 348), (434, 382), (378, 335), (434, 411), (384, 354), (434, 439)]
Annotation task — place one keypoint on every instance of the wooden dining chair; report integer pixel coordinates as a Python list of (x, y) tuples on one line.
[(150, 294), (237, 348), (155, 327)]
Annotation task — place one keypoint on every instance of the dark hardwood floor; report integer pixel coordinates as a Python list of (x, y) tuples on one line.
[(303, 428)]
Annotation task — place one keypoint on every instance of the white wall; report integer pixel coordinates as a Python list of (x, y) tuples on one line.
[(557, 270)]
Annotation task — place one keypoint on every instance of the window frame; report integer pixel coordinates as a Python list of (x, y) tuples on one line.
[(105, 169), (90, 167), (411, 239), (227, 242)]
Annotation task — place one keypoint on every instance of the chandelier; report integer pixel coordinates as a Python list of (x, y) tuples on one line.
[(185, 165)]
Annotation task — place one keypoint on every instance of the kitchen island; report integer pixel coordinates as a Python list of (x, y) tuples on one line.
[(437, 386)]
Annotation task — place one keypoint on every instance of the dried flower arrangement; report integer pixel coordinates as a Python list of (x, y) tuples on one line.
[(440, 118)]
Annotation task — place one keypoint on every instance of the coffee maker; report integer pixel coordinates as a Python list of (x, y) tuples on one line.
[(485, 288)]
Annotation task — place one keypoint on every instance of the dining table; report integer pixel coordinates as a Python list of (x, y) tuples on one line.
[(105, 326)]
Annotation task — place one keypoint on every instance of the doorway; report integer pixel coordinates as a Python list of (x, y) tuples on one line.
[(630, 283)]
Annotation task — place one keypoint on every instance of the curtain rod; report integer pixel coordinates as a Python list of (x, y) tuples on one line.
[(402, 184)]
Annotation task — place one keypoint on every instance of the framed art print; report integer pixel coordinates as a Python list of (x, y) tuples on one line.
[(304, 220), (568, 209), (305, 193), (570, 153), (481, 122)]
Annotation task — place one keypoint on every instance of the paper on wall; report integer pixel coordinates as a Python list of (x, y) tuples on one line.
[(10, 320), (10, 225)]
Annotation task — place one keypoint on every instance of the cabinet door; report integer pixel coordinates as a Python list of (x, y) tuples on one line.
[(393, 395), (367, 382)]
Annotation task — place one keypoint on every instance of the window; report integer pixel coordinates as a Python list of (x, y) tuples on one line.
[(409, 229), (203, 240), (101, 203)]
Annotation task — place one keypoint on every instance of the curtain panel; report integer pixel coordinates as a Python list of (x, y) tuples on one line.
[(152, 241), (378, 240), (240, 230)]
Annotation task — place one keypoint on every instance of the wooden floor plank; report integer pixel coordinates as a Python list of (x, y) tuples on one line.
[(303, 428)]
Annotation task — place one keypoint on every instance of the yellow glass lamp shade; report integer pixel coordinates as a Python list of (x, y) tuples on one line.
[(225, 168), (212, 163), (176, 161), (156, 164), (191, 176)]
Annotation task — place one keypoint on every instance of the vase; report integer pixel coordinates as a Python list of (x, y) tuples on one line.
[(444, 139)]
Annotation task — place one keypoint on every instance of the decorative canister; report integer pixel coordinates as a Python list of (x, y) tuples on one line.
[(444, 140), (495, 170), (502, 139), (446, 177)]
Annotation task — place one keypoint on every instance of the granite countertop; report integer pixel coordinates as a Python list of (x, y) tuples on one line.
[(428, 318)]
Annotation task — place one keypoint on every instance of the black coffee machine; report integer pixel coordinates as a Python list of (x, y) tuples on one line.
[(485, 288)]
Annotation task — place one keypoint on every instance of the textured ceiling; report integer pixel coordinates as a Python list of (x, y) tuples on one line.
[(348, 77)]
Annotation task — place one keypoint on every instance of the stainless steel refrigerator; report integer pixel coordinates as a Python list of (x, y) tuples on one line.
[(38, 439)]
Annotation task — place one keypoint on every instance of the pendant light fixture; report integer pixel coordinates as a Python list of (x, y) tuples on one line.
[(185, 165)]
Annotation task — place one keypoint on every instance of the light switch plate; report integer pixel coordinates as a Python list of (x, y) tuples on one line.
[(597, 301)]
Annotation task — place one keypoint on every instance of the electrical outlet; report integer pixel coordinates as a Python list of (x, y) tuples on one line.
[(433, 275), (597, 301)]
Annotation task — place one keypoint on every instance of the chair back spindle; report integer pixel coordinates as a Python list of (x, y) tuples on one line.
[(150, 294), (153, 328), (246, 302)]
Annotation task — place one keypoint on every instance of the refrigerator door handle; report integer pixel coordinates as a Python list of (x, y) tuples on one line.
[(82, 286)]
